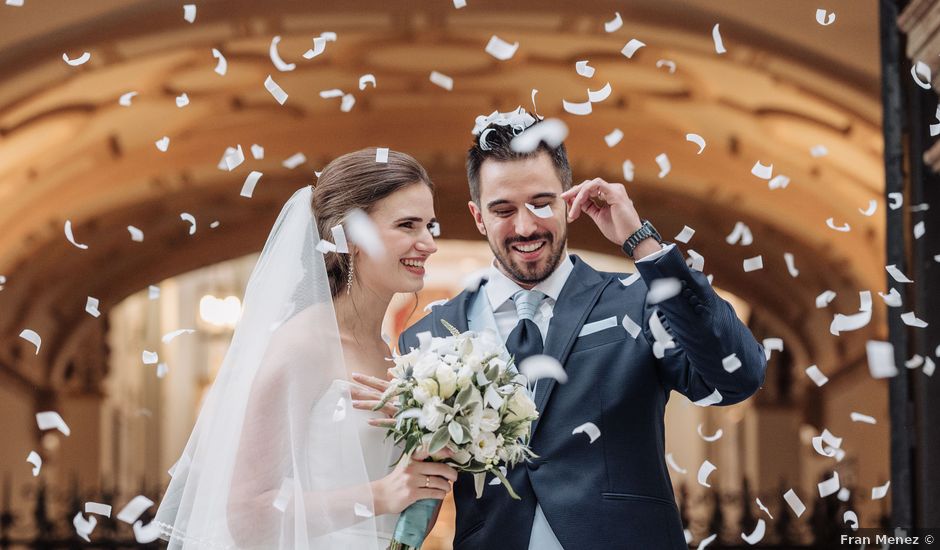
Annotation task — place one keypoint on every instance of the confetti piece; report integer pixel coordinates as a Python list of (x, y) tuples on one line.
[(914, 362), (71, 237), (168, 337), (163, 144), (319, 46), (795, 503), (580, 109), (80, 60), (685, 235), (672, 464), (362, 231), (757, 534), (911, 320), (31, 337), (537, 367), (878, 493), (778, 182), (791, 268), (339, 239), (627, 281), (325, 247), (214, 224), (3, 281), (84, 527), (712, 399), (162, 369), (187, 217), (599, 95), (435, 303), (365, 80), (628, 170), (134, 509), (222, 66), (762, 171), (770, 345), (435, 229), (825, 299), (125, 99), (896, 274), (136, 234), (149, 357), (98, 508), (583, 69), (662, 160), (919, 69), (842, 323), (843, 494), (825, 19), (182, 100), (50, 420), (346, 104), (15, 3), (741, 233), (614, 24), (753, 264), (381, 155), (153, 292), (704, 471), (851, 519), (716, 38), (442, 80), (764, 508), (818, 151), (500, 49), (844, 228), (331, 93), (881, 359), (283, 494), (276, 91), (872, 206), (670, 64), (275, 56), (859, 417), (146, 533), (91, 307), (896, 200), (710, 438), (36, 461), (929, 367), (362, 510), (816, 375), (460, 4), (543, 212), (731, 363), (257, 152), (663, 289), (919, 229), (589, 428), (294, 161), (631, 48), (698, 140), (829, 486), (232, 158), (552, 131), (614, 137), (189, 12), (628, 324)]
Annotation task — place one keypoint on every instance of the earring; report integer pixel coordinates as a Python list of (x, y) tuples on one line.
[(349, 278)]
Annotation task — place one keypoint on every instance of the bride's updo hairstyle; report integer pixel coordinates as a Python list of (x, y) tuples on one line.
[(356, 180)]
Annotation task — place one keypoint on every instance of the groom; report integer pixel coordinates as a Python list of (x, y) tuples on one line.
[(581, 493)]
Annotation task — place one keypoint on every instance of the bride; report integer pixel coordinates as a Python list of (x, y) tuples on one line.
[(283, 455)]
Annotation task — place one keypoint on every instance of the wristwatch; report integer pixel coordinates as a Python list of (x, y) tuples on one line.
[(644, 232)]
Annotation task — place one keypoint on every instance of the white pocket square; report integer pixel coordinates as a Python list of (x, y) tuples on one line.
[(597, 326)]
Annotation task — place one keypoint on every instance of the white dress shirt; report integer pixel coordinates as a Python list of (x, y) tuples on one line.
[(498, 312)]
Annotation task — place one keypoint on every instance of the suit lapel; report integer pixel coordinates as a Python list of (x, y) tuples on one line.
[(577, 298), (454, 312)]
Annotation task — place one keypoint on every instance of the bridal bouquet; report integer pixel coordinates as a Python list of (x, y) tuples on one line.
[(458, 393)]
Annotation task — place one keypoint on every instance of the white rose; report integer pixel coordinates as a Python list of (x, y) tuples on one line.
[(521, 406), (461, 455), (431, 418), (447, 379), (483, 447), (426, 366), (489, 420), (424, 390)]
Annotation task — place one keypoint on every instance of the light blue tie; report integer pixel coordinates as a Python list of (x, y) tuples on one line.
[(527, 303)]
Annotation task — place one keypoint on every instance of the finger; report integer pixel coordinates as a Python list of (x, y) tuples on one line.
[(571, 192), (431, 482), (371, 381), (435, 494), (382, 422), (365, 404), (360, 392), (576, 204), (436, 469)]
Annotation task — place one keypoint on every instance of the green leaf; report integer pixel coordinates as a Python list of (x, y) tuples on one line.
[(450, 328), (505, 481), (464, 396), (439, 440)]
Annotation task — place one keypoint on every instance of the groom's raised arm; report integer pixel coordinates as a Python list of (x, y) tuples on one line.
[(706, 330)]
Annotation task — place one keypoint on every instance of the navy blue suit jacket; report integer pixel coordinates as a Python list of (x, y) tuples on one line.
[(615, 492)]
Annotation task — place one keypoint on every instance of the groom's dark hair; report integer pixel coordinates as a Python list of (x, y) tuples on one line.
[(497, 148)]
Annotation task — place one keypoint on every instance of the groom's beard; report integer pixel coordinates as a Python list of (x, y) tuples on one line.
[(527, 273)]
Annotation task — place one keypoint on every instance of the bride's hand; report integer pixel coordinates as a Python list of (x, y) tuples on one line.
[(367, 396), (410, 483)]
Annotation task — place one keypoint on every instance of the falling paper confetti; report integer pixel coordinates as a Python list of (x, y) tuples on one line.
[(500, 49), (664, 165), (294, 161), (830, 486), (753, 264), (716, 37), (187, 217), (710, 438), (31, 337), (670, 64), (91, 307), (911, 320), (919, 229), (599, 95), (614, 24), (850, 518), (778, 182), (791, 267), (543, 212), (339, 239), (168, 337), (146, 533), (49, 420), (588, 428), (189, 12), (614, 137), (537, 367), (712, 399), (818, 151), (672, 464), (704, 471), (698, 140), (442, 80), (552, 131), (80, 60), (896, 274), (134, 509), (319, 46), (347, 102), (163, 144), (275, 56), (149, 357), (878, 493), (859, 417), (757, 535), (762, 171), (580, 109), (631, 47), (460, 4), (825, 19), (182, 100), (257, 151), (896, 200), (741, 233), (816, 375), (629, 324), (153, 292), (232, 158), (881, 359), (98, 508), (71, 237), (136, 234), (628, 170), (222, 66), (365, 80), (583, 69), (362, 231), (919, 69), (795, 503), (125, 99), (663, 289), (84, 527), (381, 155), (276, 91), (872, 206), (685, 235), (731, 363), (844, 228), (36, 461), (825, 299), (362, 511)]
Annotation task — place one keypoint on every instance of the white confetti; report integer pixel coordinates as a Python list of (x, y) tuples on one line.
[(51, 420), (592, 431), (552, 131), (182, 100), (347, 102), (712, 399), (921, 69), (795, 503), (435, 229), (850, 518), (248, 188), (500, 49), (816, 375), (825, 19), (319, 46), (71, 237), (362, 511), (710, 438), (294, 161), (149, 357), (919, 229), (222, 66), (98, 508), (731, 363), (162, 369), (896, 200), (762, 171), (844, 228), (614, 137), (80, 60), (232, 158), (859, 417), (580, 109), (757, 535), (878, 493), (214, 224), (892, 298), (896, 274), (770, 345), (435, 303), (778, 182), (704, 471), (583, 69), (698, 140), (189, 12), (843, 494), (818, 151), (362, 231), (257, 151), (741, 233), (914, 362), (442, 80), (133, 510), (146, 533), (275, 56), (764, 508), (15, 3), (381, 155), (339, 239), (829, 486), (460, 4), (125, 99), (136, 234), (668, 63), (365, 80), (791, 267), (628, 170), (84, 527), (663, 289), (929, 367), (685, 235), (631, 47), (614, 24), (276, 91), (187, 217), (163, 144), (881, 359), (168, 337), (825, 299), (599, 95), (672, 464), (662, 160), (325, 247), (153, 292), (872, 206), (36, 461), (753, 264), (716, 38), (32, 337), (91, 307), (697, 262), (543, 212), (537, 367), (911, 320), (628, 324)]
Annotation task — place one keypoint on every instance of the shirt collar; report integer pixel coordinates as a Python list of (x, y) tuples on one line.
[(499, 288)]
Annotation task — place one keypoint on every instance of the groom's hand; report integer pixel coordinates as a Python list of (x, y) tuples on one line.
[(610, 207)]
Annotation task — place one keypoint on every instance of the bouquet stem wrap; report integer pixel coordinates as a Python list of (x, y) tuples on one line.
[(413, 525)]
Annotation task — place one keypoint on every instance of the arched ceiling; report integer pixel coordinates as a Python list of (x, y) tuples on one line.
[(786, 84)]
